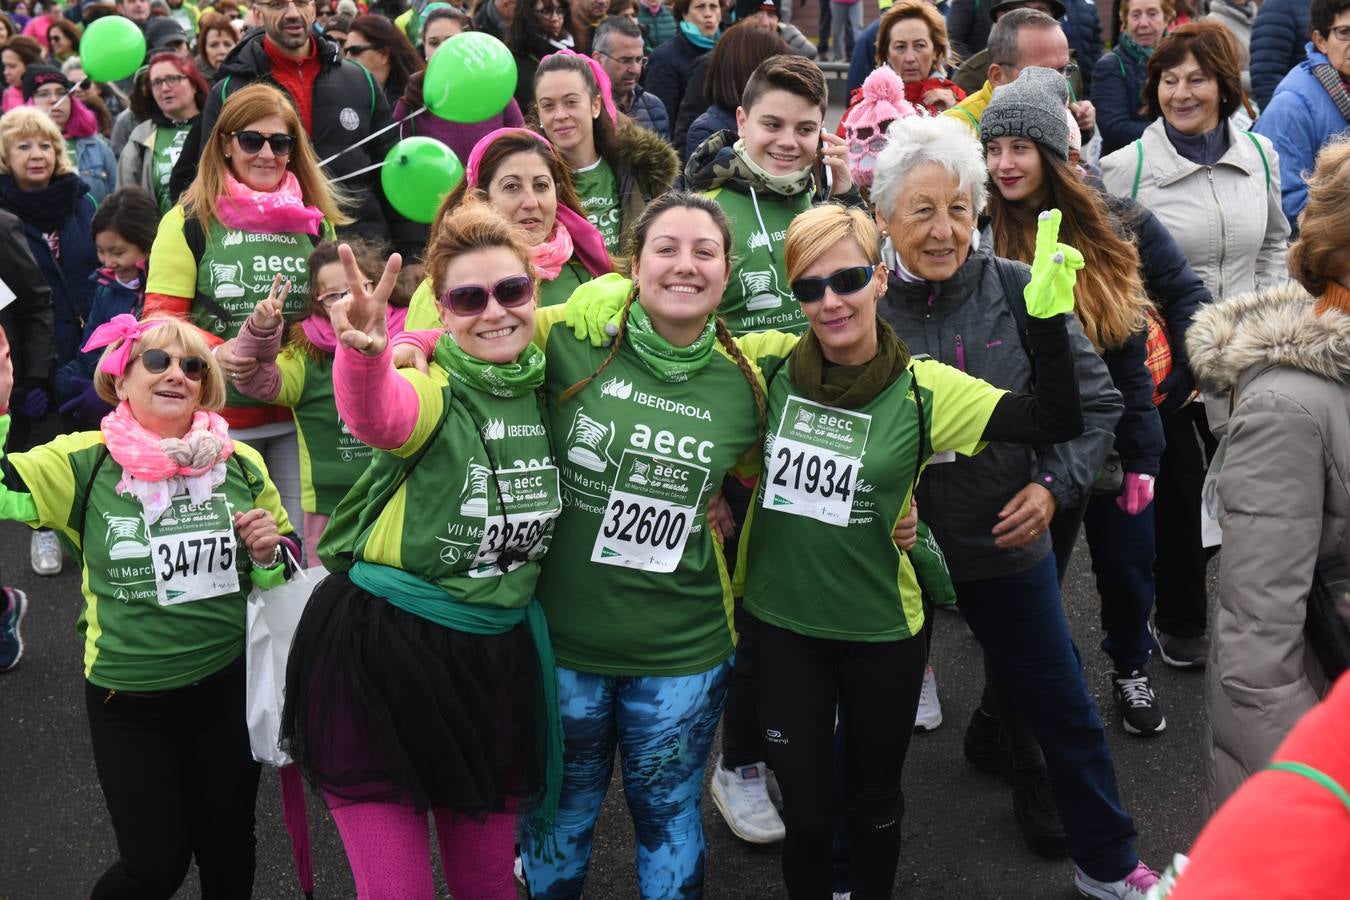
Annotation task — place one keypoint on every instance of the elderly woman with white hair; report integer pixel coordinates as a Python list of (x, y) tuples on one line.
[(950, 298)]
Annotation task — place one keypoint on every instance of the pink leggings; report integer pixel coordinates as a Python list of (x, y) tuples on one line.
[(391, 858)]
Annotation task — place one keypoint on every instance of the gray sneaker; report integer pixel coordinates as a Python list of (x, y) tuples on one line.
[(1180, 652), (45, 552)]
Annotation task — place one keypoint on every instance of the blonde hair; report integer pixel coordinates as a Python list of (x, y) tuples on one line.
[(244, 107), (28, 121), (1322, 251), (814, 233), (167, 332), (927, 14)]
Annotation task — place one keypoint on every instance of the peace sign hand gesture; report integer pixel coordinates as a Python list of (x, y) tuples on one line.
[(359, 318), (267, 314)]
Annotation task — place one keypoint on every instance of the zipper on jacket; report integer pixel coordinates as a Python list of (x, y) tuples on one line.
[(1223, 230), (960, 353)]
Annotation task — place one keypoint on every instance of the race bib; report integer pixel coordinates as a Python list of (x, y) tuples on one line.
[(814, 464), (516, 534), (650, 512), (193, 549)]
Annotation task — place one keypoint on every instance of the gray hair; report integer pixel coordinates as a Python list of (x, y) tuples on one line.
[(1003, 37), (915, 140), (611, 25), (70, 65)]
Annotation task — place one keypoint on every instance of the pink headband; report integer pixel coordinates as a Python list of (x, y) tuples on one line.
[(586, 238), (125, 328), (601, 79)]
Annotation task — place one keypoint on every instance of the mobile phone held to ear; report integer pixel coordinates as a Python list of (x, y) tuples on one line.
[(827, 175)]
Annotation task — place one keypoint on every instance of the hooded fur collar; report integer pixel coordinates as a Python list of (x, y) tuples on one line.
[(1274, 327), (649, 157)]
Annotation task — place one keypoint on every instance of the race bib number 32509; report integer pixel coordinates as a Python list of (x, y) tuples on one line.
[(813, 468), (650, 512)]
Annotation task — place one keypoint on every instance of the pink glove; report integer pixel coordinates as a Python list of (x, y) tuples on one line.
[(1137, 493)]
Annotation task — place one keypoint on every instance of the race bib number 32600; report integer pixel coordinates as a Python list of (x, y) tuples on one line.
[(814, 464), (650, 512), (193, 548)]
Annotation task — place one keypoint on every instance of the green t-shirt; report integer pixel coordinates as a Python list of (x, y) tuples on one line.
[(634, 583), (758, 297), (598, 191), (817, 549), (168, 146), (485, 485), (236, 272), (139, 633), (331, 459)]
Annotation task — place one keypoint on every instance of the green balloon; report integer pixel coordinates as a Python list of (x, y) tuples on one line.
[(417, 175), (471, 78), (111, 49)]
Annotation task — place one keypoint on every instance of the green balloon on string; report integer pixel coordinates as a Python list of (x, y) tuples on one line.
[(111, 48), (417, 175), (470, 79)]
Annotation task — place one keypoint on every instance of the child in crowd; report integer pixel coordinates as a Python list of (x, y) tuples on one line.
[(300, 376), (124, 228)]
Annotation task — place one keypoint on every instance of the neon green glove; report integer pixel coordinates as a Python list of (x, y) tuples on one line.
[(1053, 271), (594, 308)]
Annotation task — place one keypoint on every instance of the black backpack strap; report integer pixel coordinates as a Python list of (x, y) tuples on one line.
[(99, 459), (923, 428), (1008, 276)]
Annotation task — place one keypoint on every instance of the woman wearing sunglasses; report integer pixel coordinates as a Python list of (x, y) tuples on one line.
[(521, 176), (174, 523), (421, 676), (540, 27), (299, 376), (258, 206)]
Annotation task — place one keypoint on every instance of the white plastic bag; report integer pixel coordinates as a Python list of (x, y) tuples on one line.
[(273, 615)]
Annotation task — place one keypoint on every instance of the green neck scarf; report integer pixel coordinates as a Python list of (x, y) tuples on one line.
[(498, 379), (1132, 47), (848, 387), (792, 184), (662, 358)]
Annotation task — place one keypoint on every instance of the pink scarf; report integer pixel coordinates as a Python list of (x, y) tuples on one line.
[(156, 469), (320, 331), (550, 256), (267, 212)]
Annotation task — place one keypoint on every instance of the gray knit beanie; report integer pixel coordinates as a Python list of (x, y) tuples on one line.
[(1031, 107)]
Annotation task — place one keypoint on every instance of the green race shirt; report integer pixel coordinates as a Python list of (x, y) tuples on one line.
[(758, 297), (598, 191), (331, 459), (139, 635), (236, 272), (634, 583), (486, 485), (816, 548), (168, 146)]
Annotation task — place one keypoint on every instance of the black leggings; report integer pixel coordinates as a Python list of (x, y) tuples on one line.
[(799, 681), (179, 782)]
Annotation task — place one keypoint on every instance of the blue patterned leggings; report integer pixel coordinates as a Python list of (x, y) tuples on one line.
[(663, 729)]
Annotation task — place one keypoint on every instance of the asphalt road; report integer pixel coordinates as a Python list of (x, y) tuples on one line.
[(960, 839)]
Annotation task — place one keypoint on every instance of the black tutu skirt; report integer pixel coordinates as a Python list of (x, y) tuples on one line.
[(385, 706)]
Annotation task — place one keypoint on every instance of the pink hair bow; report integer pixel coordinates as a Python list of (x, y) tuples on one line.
[(601, 78), (125, 328)]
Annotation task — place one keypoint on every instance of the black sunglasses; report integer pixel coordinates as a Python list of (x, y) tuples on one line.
[(843, 281), (356, 49), (471, 299), (252, 142), (194, 368)]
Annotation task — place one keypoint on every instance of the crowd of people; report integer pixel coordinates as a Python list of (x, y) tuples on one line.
[(680, 417)]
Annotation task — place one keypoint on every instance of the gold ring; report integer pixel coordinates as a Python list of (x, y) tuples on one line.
[(1034, 532)]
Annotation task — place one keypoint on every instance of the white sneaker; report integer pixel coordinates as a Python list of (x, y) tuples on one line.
[(929, 716), (775, 793), (519, 870), (743, 800), (844, 896), (45, 552)]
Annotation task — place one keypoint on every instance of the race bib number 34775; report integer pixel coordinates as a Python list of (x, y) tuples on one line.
[(193, 548), (650, 512), (814, 464)]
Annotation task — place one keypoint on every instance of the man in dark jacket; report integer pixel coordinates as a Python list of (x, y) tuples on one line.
[(972, 20), (338, 102), (617, 45), (27, 318), (1279, 36)]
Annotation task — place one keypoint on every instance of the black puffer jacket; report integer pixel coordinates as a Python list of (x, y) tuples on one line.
[(348, 105), (669, 70), (28, 319)]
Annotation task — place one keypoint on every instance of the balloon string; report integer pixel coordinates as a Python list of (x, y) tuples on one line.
[(370, 137), (82, 86), (369, 168)]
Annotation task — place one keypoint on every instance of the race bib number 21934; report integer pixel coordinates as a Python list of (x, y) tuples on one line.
[(813, 467)]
